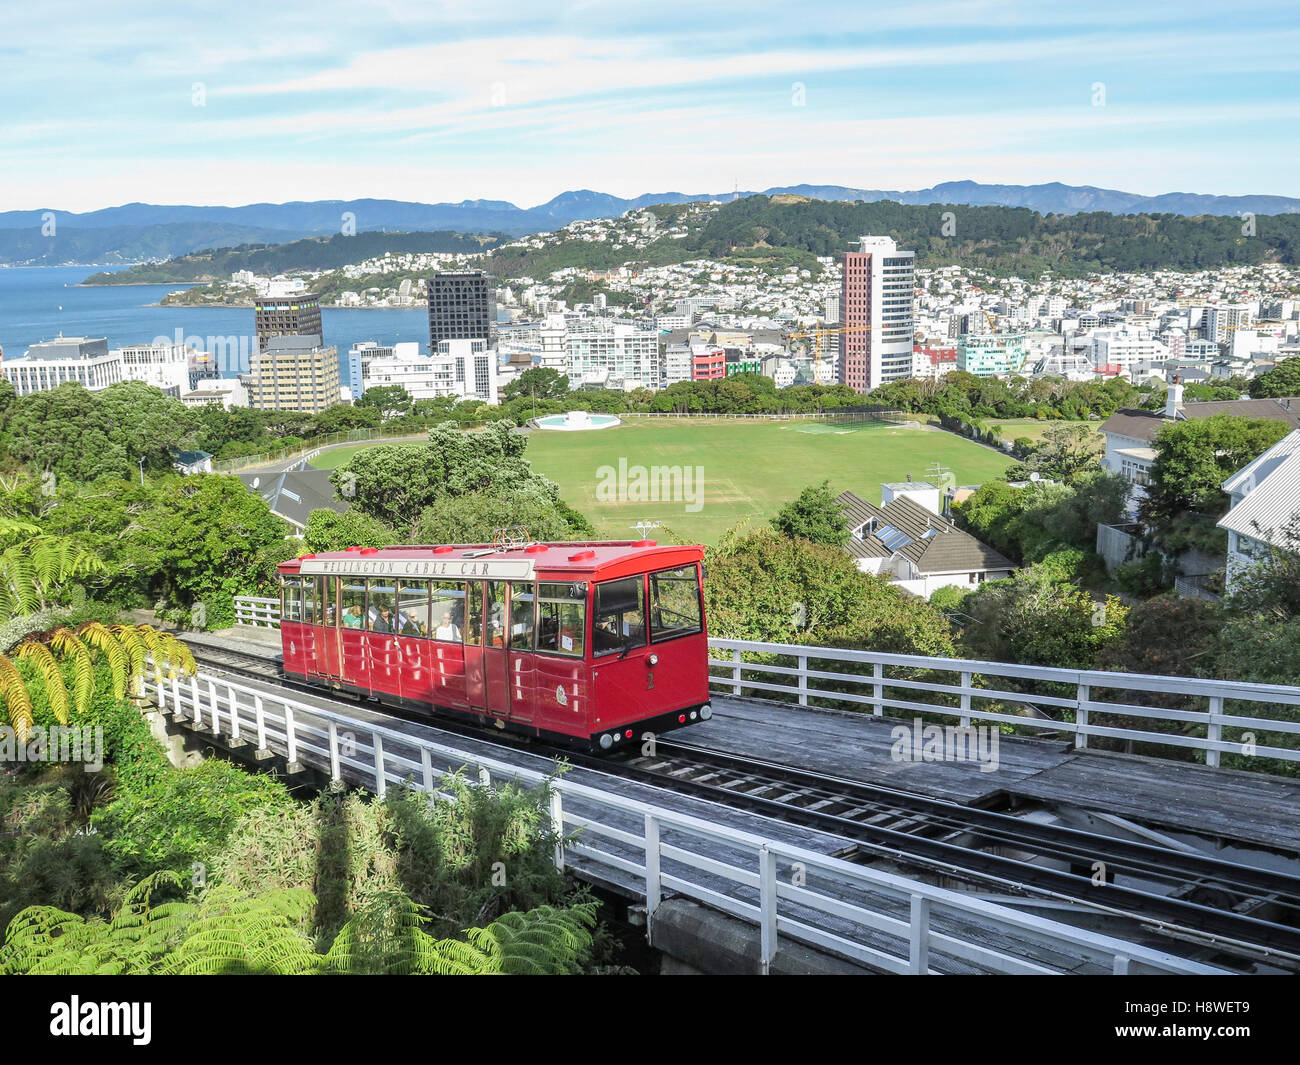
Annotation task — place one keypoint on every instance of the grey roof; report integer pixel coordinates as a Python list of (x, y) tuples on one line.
[(294, 494), (931, 543), (1145, 424)]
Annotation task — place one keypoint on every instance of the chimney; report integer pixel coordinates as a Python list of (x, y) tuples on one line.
[(1174, 398)]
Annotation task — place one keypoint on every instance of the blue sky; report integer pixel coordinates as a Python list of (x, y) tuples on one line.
[(236, 102)]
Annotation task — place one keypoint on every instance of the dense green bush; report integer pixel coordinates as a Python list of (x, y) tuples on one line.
[(183, 816)]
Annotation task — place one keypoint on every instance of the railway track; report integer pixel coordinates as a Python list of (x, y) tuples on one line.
[(1237, 909)]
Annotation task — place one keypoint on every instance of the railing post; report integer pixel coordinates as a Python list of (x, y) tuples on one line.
[(484, 777), (557, 826), (1120, 966), (259, 714), (966, 678), (234, 719), (291, 740), (426, 768), (381, 784), (194, 697), (735, 672), (919, 941), (766, 908), (335, 768), (803, 680), (653, 887), (161, 698), (1081, 716), (878, 689), (1215, 731)]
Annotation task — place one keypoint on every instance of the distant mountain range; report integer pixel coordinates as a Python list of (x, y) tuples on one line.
[(135, 232)]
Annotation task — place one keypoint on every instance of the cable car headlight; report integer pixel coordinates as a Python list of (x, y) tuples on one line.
[(606, 742), (706, 712), (653, 660)]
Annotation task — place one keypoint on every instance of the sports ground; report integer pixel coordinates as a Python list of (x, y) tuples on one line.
[(744, 469)]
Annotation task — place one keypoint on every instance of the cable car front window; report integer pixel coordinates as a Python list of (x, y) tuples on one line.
[(619, 622), (561, 620)]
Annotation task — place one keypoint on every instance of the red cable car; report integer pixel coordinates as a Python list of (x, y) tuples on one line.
[(592, 643)]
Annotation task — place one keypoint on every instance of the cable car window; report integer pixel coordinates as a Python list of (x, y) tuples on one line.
[(311, 600), (561, 618), (381, 616), (291, 599), (496, 614), (448, 610), (675, 604), (331, 598), (619, 621), (474, 612), (523, 607), (352, 605), (413, 608)]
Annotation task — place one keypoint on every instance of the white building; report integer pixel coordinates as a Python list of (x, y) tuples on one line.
[(51, 363), (1118, 351), (1265, 507), (165, 366), (226, 391), (624, 356)]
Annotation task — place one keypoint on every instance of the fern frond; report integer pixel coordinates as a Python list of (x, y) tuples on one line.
[(98, 636), (51, 677), (17, 699), (66, 643)]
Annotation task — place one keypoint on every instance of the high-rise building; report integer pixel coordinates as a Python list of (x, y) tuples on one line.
[(462, 306), (876, 297), (294, 373), (293, 315)]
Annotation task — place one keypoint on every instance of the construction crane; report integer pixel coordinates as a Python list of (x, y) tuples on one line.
[(817, 334), (993, 325)]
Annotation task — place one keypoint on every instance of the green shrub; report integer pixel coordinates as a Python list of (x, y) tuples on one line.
[(184, 816)]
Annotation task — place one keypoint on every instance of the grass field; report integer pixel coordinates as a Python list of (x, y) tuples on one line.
[(745, 469), (1011, 428)]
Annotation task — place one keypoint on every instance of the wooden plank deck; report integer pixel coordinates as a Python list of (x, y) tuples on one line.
[(1228, 804)]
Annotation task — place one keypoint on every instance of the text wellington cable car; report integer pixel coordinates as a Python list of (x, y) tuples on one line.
[(593, 642)]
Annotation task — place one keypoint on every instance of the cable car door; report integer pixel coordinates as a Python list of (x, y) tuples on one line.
[(496, 671)]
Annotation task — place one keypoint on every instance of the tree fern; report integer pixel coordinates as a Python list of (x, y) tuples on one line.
[(128, 650)]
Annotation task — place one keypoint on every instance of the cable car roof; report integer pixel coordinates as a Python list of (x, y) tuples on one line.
[(590, 559)]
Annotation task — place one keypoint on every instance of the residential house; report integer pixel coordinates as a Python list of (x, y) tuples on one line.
[(1130, 434), (294, 494), (915, 547), (1265, 505)]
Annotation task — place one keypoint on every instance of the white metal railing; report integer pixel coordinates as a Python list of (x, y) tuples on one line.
[(887, 693), (811, 668), (257, 610), (869, 916)]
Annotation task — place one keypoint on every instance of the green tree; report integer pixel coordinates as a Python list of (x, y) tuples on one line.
[(1282, 380), (765, 586), (1036, 621), (540, 382), (212, 539), (328, 530), (1195, 457), (815, 516), (392, 401)]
